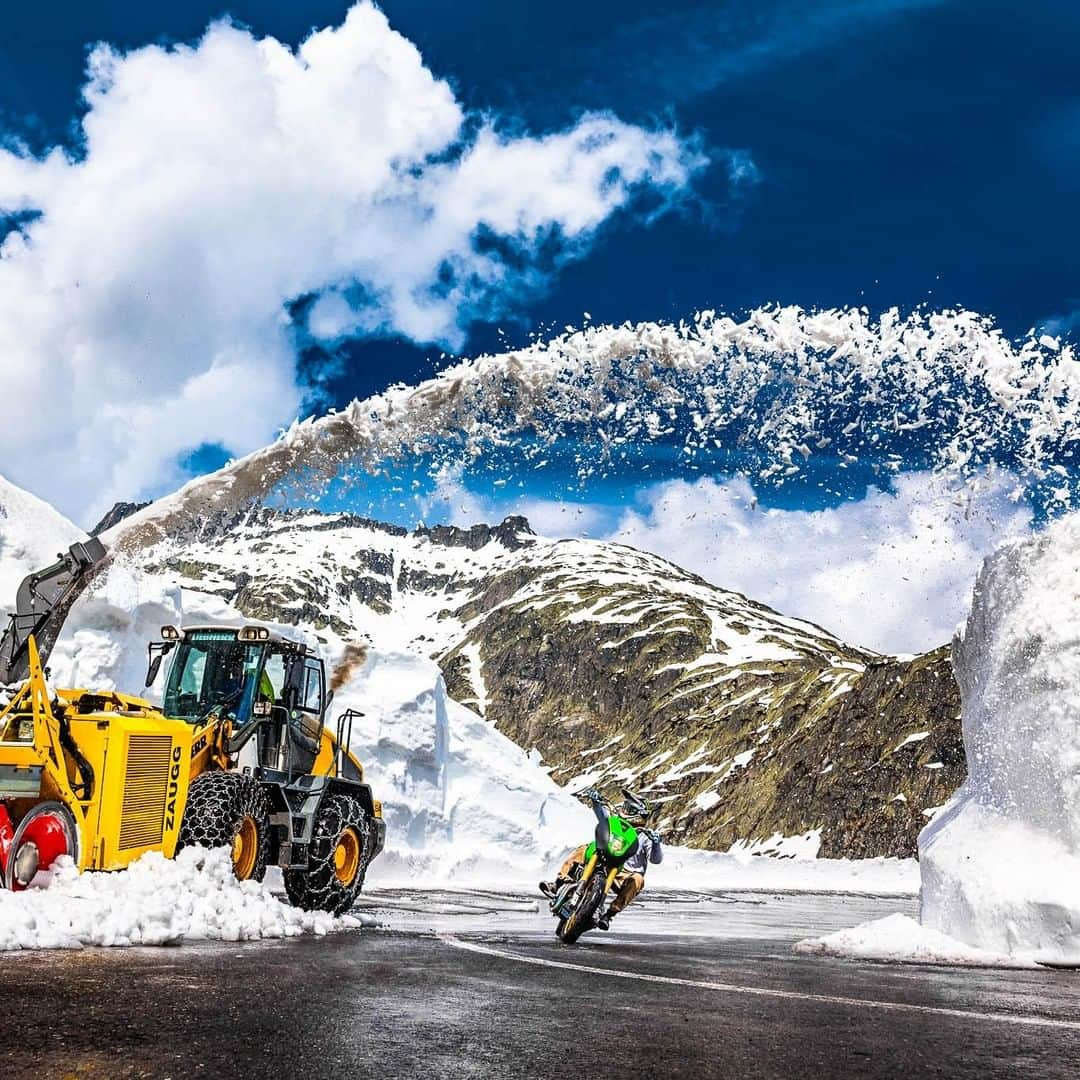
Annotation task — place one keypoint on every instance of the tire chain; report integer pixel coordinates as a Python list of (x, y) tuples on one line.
[(316, 887), (217, 804)]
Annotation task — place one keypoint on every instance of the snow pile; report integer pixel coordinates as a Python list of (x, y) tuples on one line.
[(900, 938), (32, 533), (714, 871), (155, 901), (462, 802), (1001, 864)]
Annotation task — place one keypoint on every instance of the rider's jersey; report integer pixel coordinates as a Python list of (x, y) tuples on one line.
[(649, 851)]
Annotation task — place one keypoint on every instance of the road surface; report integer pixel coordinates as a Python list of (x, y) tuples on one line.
[(474, 985)]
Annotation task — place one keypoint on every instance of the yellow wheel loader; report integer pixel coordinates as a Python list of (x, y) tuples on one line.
[(238, 755)]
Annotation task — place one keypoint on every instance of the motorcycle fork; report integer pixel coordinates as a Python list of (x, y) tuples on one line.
[(587, 873), (590, 868)]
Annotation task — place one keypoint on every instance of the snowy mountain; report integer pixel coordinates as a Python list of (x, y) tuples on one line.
[(31, 535), (620, 668)]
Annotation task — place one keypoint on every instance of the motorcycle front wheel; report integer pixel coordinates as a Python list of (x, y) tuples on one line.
[(581, 918)]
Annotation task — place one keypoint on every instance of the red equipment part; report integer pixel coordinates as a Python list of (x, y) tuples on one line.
[(46, 833), (7, 835)]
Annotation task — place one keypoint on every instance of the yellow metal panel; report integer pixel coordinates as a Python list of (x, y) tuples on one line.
[(146, 785), (143, 787)]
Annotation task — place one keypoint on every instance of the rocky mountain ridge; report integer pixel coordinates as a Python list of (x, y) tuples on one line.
[(621, 669)]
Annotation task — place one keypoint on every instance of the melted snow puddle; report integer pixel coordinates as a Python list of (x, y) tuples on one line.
[(155, 901)]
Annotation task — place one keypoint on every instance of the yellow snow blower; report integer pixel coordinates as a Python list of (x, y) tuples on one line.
[(238, 755)]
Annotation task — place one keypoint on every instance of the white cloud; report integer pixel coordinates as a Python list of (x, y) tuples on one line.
[(891, 572), (143, 312), (452, 503)]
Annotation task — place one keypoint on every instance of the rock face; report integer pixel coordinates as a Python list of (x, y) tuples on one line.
[(624, 670), (621, 669), (118, 513)]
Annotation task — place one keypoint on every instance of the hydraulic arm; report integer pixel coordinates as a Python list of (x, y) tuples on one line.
[(41, 606)]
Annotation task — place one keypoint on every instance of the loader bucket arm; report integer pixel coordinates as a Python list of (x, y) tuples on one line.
[(41, 606)]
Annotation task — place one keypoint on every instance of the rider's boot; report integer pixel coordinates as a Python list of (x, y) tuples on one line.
[(604, 922), (551, 888)]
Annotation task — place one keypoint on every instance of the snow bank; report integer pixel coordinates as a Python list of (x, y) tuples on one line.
[(155, 901), (32, 533), (687, 868), (900, 938), (1001, 863), (103, 643), (462, 802)]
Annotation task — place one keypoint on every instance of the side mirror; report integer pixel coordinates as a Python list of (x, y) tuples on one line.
[(328, 701), (157, 651)]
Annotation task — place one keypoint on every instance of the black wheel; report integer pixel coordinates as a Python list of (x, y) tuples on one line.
[(338, 858), (581, 918), (229, 810)]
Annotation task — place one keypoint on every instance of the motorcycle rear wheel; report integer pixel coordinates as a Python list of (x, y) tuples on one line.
[(581, 918)]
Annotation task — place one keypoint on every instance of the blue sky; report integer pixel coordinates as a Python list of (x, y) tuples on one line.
[(897, 153), (906, 153)]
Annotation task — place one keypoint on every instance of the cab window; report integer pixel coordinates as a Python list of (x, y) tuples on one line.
[(273, 677), (313, 685)]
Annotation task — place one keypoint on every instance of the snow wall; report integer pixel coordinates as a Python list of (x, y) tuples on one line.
[(462, 802), (1001, 863)]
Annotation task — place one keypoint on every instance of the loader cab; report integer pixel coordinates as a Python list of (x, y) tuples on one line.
[(271, 689)]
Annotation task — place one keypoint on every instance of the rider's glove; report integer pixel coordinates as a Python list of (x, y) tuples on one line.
[(593, 795), (653, 835)]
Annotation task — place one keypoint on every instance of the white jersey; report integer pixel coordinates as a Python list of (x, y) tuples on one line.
[(649, 851)]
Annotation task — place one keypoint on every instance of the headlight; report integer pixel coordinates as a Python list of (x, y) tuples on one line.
[(26, 863)]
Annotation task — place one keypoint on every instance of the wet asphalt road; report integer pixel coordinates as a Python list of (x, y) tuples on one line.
[(409, 1001)]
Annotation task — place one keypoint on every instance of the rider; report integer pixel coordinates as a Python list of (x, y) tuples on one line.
[(631, 878)]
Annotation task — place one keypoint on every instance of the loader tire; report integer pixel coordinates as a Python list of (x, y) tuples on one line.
[(338, 860), (229, 810)]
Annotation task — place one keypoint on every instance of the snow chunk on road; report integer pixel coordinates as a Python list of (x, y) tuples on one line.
[(1001, 863), (155, 901), (900, 938)]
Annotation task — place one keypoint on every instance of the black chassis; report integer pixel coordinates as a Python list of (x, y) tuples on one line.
[(294, 806)]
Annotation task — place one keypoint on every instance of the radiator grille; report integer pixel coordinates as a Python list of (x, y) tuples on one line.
[(145, 786)]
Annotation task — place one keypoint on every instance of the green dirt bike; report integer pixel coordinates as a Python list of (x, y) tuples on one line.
[(576, 903)]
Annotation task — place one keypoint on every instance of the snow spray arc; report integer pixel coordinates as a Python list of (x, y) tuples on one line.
[(946, 389)]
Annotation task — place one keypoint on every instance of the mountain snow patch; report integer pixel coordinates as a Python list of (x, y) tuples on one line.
[(32, 533)]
